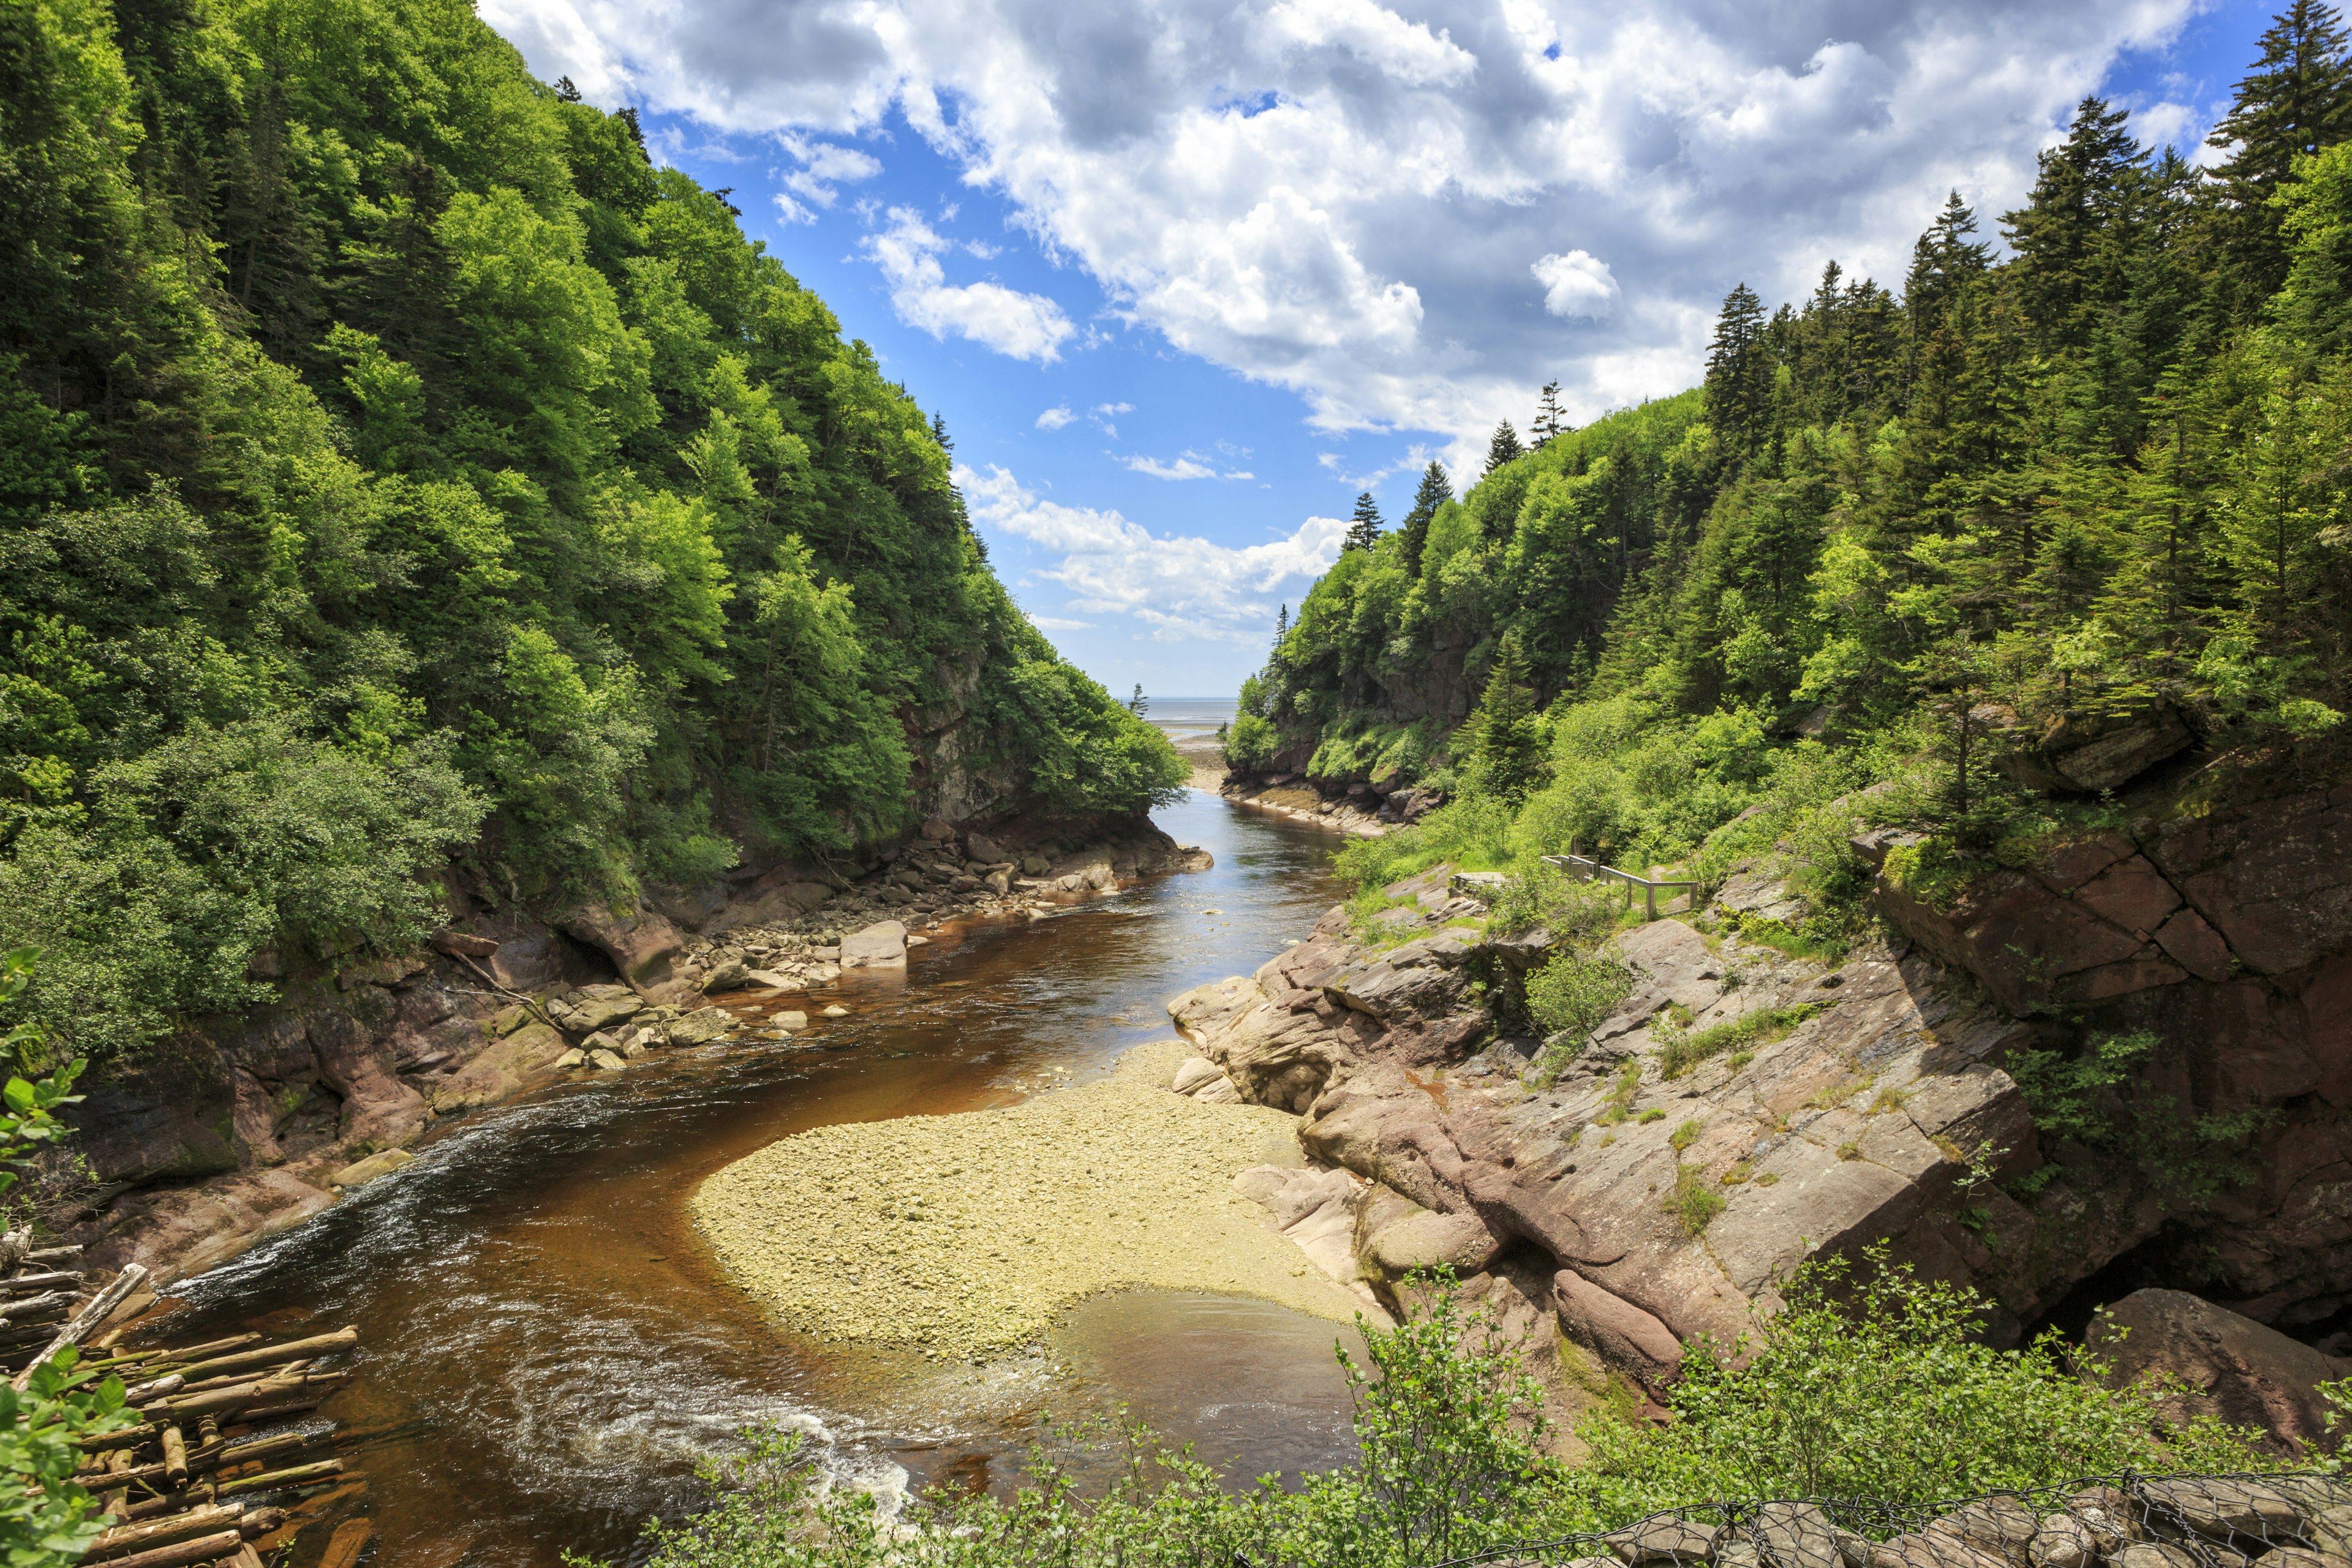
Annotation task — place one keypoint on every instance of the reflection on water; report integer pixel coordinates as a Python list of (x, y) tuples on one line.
[(548, 1350)]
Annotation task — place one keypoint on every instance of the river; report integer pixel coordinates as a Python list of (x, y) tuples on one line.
[(548, 1349)]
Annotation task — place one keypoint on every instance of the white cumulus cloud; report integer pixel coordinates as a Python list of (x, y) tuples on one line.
[(1182, 588), (1054, 418), (1577, 285), (1022, 326), (1340, 197)]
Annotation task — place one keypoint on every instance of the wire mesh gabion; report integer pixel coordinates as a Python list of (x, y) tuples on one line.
[(2302, 1520)]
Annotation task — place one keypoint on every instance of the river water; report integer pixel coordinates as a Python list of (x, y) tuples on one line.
[(548, 1349)]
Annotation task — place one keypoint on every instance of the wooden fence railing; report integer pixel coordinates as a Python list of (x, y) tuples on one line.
[(1589, 870)]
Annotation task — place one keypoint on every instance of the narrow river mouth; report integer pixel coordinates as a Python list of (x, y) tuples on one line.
[(550, 1347)]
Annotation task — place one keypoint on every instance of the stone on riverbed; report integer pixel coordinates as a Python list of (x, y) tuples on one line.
[(791, 1020), (603, 1012), (878, 946), (575, 1057), (700, 1029), (360, 1172), (607, 1060)]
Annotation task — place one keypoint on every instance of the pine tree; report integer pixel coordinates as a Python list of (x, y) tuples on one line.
[(2068, 259), (1139, 704), (1506, 744), (1551, 420), (565, 91), (2296, 100), (1505, 448), (1281, 625), (1738, 373), (1435, 490), (1943, 262), (1364, 528), (940, 434)]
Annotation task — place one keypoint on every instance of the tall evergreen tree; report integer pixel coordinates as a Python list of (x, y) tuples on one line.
[(1364, 529), (2296, 100), (1551, 420), (1738, 373), (1435, 490), (1504, 447), (1505, 747), (2069, 258)]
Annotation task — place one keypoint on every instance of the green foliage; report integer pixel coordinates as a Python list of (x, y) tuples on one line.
[(392, 451), (1693, 1200), (1679, 1052), (1872, 1383), (45, 1521), (1569, 997), (2076, 1096)]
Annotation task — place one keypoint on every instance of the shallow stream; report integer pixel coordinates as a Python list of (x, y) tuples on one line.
[(548, 1349)]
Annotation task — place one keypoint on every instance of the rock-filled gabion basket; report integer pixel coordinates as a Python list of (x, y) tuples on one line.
[(2294, 1521)]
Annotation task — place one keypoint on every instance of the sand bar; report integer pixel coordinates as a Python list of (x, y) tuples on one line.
[(970, 1234)]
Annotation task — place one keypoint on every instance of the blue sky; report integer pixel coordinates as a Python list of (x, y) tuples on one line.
[(1183, 277)]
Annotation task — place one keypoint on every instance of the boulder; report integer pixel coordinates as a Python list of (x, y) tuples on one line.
[(505, 1070), (794, 1020), (728, 974), (608, 1060), (984, 849), (642, 945), (360, 1172), (1618, 1331), (880, 945), (701, 1026), (594, 1013), (1203, 1079), (1655, 1542), (575, 1057), (1795, 1535), (2251, 1374)]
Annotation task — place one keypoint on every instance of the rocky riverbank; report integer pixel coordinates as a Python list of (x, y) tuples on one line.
[(1747, 1107), (968, 1235), (246, 1126)]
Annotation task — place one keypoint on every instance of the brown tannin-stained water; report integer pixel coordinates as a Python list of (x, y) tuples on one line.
[(549, 1349)]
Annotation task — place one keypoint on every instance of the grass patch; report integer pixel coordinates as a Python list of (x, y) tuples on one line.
[(1766, 931), (1694, 1201), (1685, 1135), (1620, 1095), (1655, 1113), (1681, 1052)]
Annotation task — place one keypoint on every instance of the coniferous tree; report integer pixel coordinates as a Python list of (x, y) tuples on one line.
[(1738, 373), (2069, 259), (1506, 750), (1504, 447), (1364, 529), (1551, 420), (2295, 101), (1435, 490), (1281, 624)]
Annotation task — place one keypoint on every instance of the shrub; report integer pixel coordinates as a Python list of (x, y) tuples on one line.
[(1682, 1052), (1873, 1382)]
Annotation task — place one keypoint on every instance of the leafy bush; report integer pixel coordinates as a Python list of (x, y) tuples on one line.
[(46, 1520), (1873, 1382), (1570, 996)]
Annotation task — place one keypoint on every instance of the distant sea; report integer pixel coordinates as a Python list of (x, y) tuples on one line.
[(1190, 719)]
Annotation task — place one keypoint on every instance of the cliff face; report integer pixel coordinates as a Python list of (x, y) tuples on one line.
[(1874, 1100)]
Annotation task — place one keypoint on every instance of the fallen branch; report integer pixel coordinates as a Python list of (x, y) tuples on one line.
[(134, 1275)]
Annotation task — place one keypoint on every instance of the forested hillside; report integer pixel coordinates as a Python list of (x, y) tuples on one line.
[(398, 471), (2091, 490)]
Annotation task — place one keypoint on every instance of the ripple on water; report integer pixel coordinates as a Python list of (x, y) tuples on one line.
[(548, 1348)]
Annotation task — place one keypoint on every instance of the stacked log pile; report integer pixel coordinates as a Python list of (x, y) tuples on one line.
[(186, 1484)]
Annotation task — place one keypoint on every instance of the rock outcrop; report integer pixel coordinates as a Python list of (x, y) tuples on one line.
[(2249, 1373), (1743, 1110)]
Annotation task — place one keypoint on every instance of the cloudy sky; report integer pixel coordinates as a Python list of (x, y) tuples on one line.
[(1183, 276)]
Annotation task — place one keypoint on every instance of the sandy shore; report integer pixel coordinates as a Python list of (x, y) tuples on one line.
[(970, 1234)]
